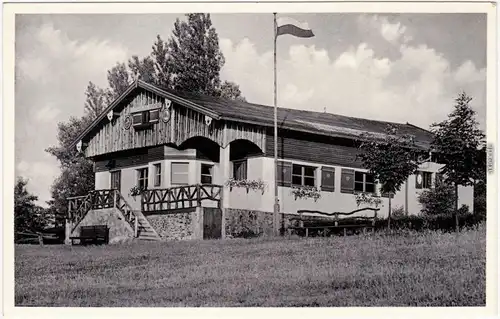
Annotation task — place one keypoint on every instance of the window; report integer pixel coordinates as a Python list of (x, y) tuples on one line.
[(364, 182), (145, 118), (157, 174), (303, 175), (142, 178), (427, 179), (240, 170), (423, 180), (116, 177), (180, 173), (206, 173)]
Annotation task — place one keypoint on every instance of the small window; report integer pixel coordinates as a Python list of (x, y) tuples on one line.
[(303, 175), (157, 174), (180, 174), (145, 118), (427, 179), (240, 170), (364, 182), (206, 173), (142, 178), (116, 177)]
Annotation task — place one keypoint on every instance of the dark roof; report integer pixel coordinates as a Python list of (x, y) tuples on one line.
[(300, 120)]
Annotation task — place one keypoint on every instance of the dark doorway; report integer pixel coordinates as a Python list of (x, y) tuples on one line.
[(212, 223)]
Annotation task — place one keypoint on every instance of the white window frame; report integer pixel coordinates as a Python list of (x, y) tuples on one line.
[(303, 176), (212, 166), (138, 170), (364, 183), (156, 175)]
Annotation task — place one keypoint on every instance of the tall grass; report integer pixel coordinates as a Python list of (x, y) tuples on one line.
[(406, 269)]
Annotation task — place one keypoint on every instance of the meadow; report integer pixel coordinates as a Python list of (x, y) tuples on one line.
[(405, 269)]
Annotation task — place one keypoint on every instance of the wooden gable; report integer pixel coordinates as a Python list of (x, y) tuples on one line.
[(120, 134)]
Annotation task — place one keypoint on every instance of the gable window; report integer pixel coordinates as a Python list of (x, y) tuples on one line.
[(145, 118), (179, 173), (303, 175), (240, 170), (116, 177), (142, 178), (157, 174), (206, 173), (364, 182)]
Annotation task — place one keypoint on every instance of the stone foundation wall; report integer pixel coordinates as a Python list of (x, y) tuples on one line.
[(252, 223), (174, 226), (119, 228)]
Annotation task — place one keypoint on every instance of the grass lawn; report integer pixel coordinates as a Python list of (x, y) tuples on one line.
[(432, 269)]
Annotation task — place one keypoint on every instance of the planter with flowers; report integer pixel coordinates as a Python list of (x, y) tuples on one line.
[(247, 184), (368, 199), (304, 192), (136, 191)]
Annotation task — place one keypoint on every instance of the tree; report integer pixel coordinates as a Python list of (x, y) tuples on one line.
[(390, 159), (457, 141), (118, 80), (95, 100), (77, 176), (231, 91), (195, 55), (27, 215), (142, 69), (163, 75)]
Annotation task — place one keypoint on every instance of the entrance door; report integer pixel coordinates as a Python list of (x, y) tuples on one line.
[(212, 223)]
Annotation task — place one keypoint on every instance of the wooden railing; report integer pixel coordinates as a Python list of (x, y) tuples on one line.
[(180, 197), (79, 206)]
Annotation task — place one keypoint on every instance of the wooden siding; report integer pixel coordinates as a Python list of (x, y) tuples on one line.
[(313, 148), (112, 137), (253, 133), (184, 123), (189, 123), (130, 158)]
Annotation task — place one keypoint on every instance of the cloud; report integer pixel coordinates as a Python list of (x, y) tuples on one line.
[(38, 173), (418, 86), (391, 32), (52, 72)]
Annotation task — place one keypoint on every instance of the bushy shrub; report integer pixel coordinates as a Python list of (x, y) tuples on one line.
[(443, 222), (398, 212), (438, 200)]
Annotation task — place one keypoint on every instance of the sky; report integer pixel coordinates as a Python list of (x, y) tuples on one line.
[(392, 67)]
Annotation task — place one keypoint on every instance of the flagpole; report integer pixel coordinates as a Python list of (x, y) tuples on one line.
[(276, 199)]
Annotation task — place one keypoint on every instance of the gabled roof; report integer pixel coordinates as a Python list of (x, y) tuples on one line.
[(321, 123)]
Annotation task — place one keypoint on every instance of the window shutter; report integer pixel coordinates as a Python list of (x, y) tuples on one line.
[(328, 179), (418, 180), (154, 115), (347, 181), (284, 171), (137, 119)]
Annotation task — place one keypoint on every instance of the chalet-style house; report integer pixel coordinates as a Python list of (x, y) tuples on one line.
[(172, 165)]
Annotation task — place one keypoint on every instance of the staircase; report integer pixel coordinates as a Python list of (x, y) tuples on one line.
[(100, 199), (144, 229)]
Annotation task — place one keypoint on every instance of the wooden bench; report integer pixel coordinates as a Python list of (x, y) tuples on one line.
[(341, 221), (97, 234)]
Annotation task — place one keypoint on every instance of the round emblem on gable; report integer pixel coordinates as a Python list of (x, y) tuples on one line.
[(166, 114), (127, 122)]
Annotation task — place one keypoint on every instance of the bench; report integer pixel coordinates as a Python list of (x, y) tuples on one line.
[(341, 221), (97, 234)]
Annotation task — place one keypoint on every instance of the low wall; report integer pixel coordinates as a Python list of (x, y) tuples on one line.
[(252, 223), (119, 228), (181, 225)]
